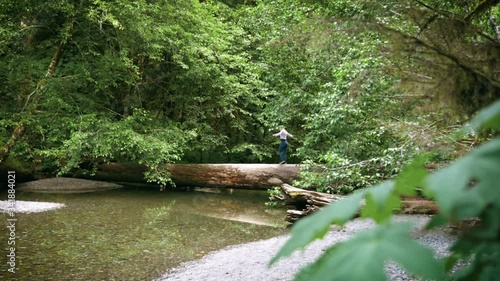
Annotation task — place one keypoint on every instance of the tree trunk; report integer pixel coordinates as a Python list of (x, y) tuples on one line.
[(245, 176), (307, 202), (17, 134), (254, 176), (29, 106), (304, 201)]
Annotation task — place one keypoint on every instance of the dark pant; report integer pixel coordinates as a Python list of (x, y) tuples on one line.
[(282, 149)]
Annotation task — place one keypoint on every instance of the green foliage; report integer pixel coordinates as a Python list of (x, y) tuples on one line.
[(468, 190), (223, 76), (185, 64), (352, 76), (133, 139), (342, 176), (465, 189), (154, 82), (271, 204), (325, 82), (370, 250), (273, 193), (318, 224), (250, 153), (486, 118)]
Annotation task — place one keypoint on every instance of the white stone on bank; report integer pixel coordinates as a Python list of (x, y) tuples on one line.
[(28, 206)]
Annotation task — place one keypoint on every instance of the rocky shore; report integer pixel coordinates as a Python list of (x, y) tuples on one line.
[(66, 185), (52, 185), (249, 262)]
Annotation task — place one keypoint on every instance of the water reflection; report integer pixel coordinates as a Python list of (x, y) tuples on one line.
[(233, 204), (134, 233)]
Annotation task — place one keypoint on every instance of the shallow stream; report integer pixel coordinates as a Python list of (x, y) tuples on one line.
[(132, 233)]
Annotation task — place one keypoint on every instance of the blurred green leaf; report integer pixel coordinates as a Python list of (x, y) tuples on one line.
[(317, 225), (413, 176), (364, 256), (381, 201), (464, 188), (488, 118)]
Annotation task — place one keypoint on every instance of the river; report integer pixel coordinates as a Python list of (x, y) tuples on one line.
[(132, 233)]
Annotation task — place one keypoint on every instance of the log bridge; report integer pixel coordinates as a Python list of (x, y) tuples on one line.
[(243, 176)]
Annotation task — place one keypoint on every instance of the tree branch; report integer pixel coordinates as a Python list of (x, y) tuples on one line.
[(439, 12), (483, 6), (440, 52), (450, 15), (495, 26)]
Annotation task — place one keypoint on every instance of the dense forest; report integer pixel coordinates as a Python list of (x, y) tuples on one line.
[(366, 88), (363, 85)]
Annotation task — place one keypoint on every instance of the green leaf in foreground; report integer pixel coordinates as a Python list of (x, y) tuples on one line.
[(413, 176), (317, 225), (381, 202), (364, 256), (464, 188), (488, 118), (383, 199)]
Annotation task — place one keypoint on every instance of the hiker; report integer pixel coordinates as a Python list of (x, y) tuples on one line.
[(283, 145)]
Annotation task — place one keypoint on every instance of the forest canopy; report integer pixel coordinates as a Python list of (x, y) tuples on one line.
[(363, 85)]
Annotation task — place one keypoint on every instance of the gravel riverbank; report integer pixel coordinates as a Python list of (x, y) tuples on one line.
[(249, 262)]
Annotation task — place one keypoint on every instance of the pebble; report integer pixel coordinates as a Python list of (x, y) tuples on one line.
[(249, 262)]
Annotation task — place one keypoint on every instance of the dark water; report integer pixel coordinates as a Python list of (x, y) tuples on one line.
[(133, 233)]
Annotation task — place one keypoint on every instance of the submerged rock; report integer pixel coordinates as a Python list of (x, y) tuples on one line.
[(66, 185)]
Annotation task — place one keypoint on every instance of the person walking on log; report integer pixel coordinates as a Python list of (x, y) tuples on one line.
[(283, 134)]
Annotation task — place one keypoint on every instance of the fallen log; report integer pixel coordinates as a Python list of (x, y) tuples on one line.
[(307, 202), (304, 201), (244, 176), (252, 176), (417, 205)]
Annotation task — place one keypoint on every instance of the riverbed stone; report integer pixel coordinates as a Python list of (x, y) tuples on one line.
[(66, 185)]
